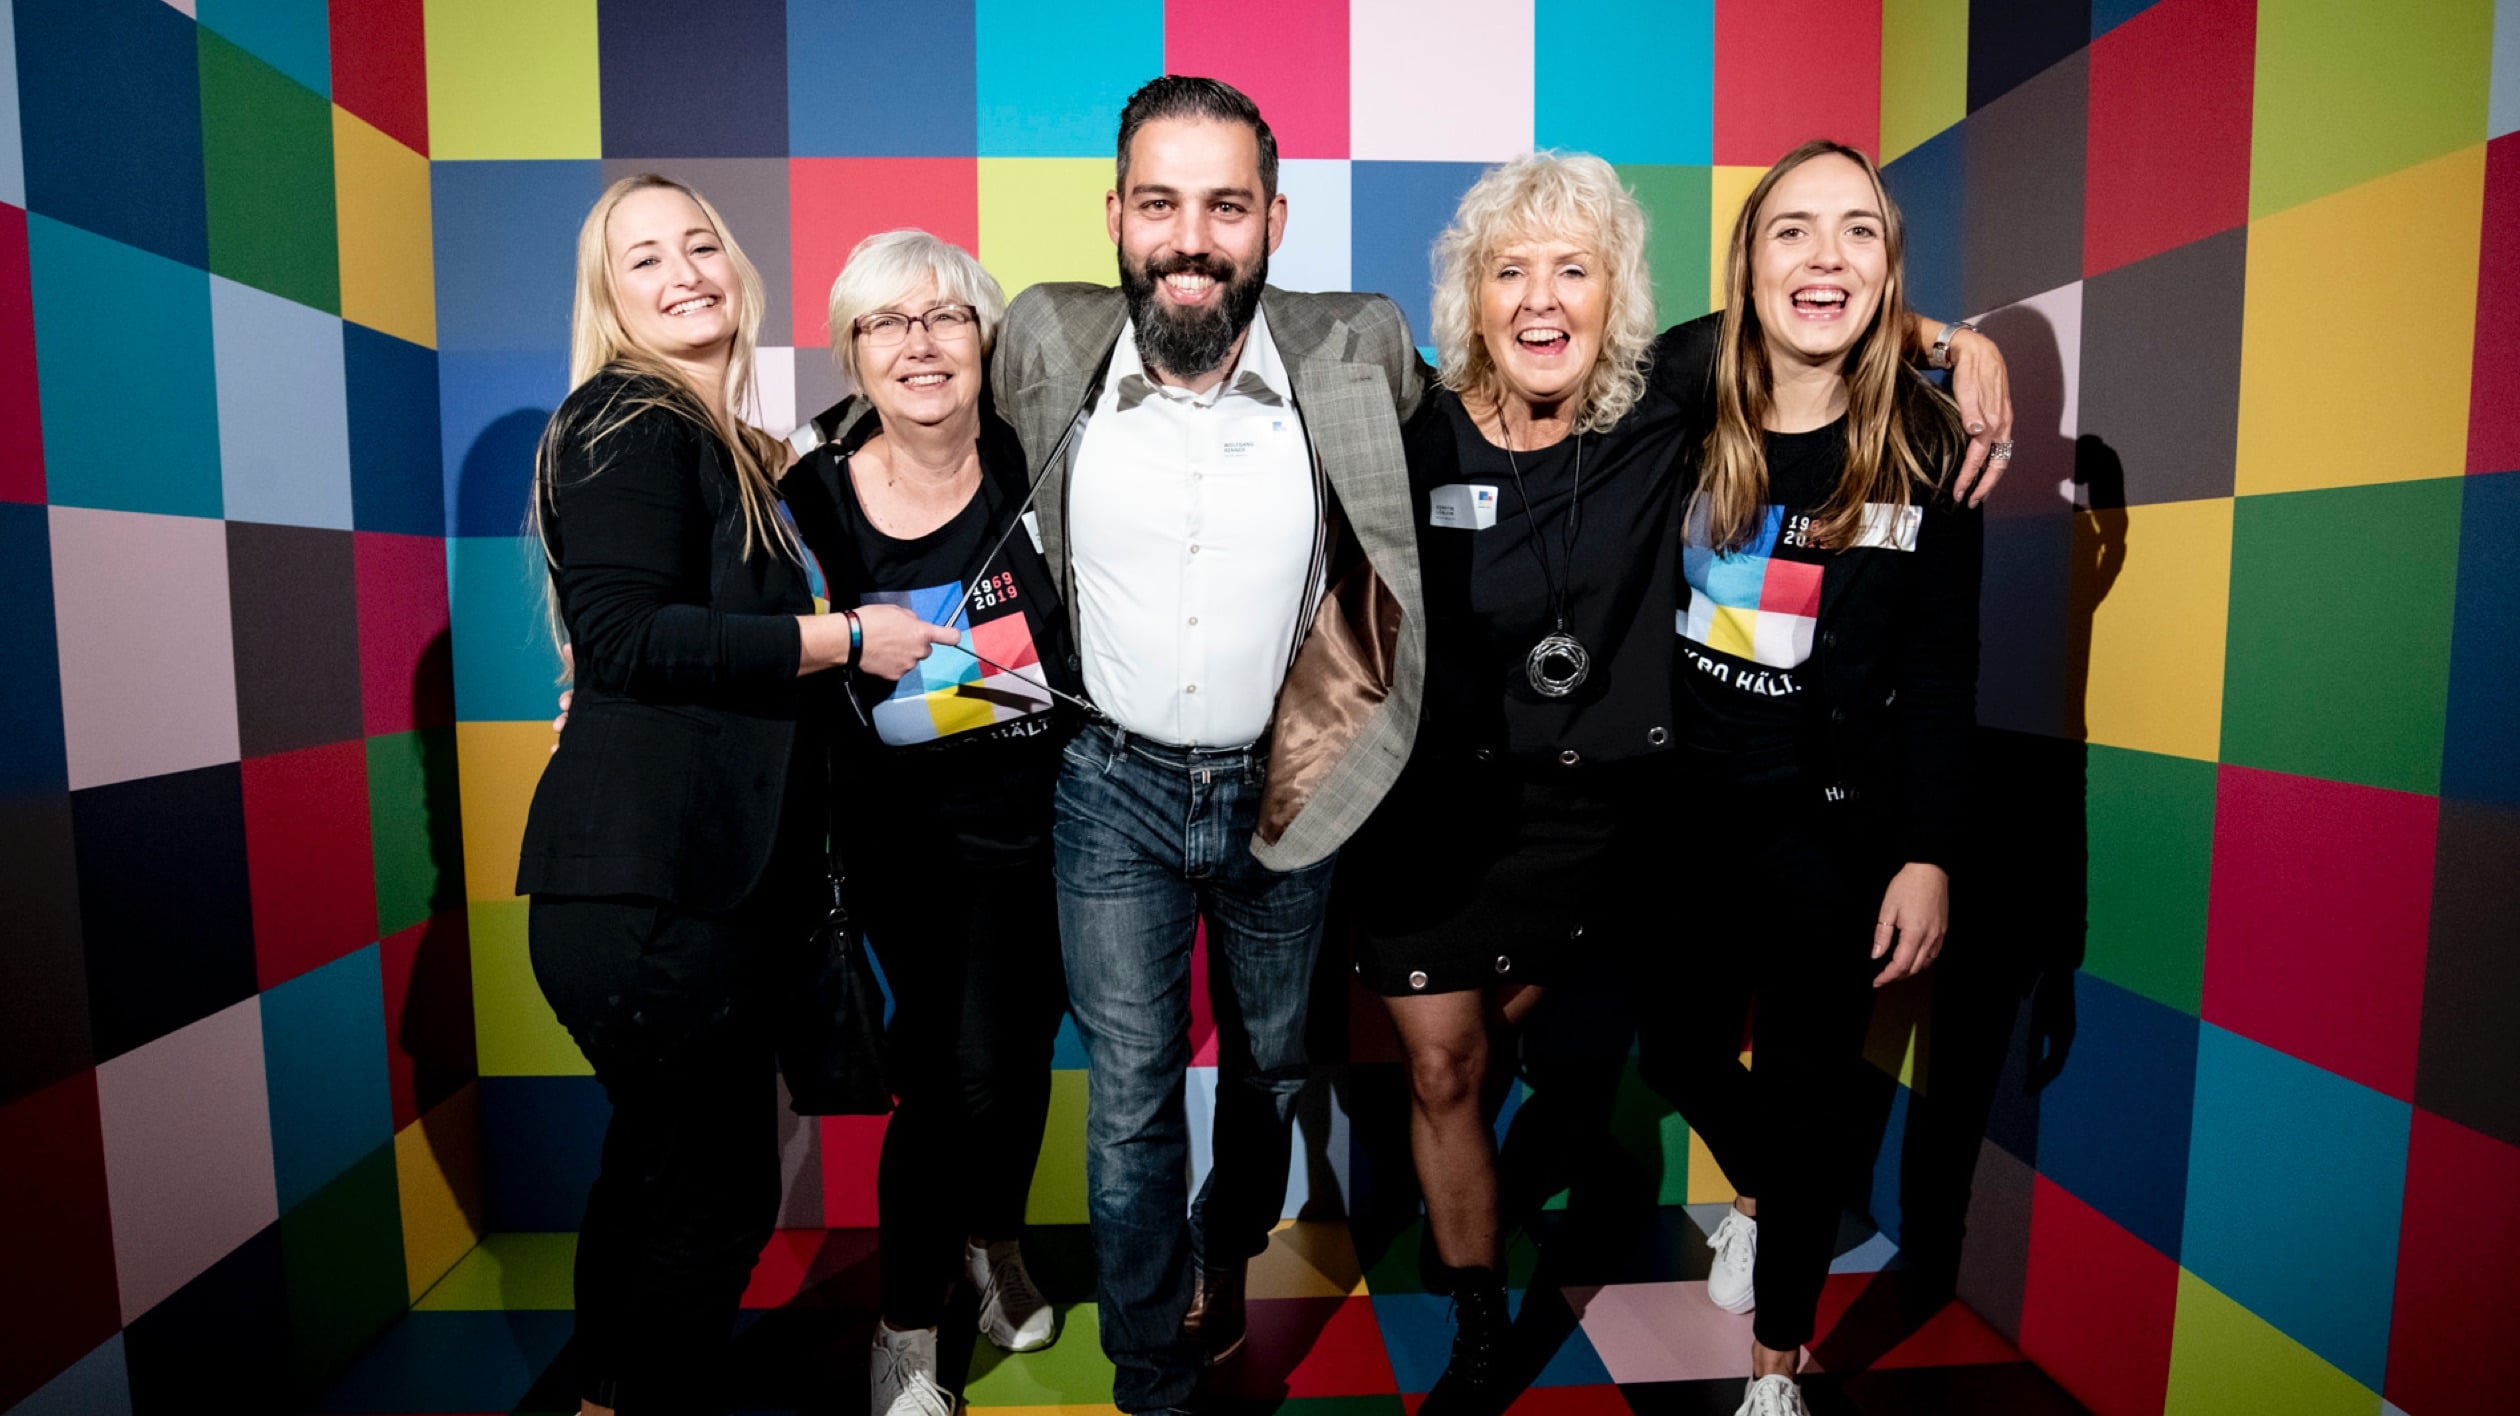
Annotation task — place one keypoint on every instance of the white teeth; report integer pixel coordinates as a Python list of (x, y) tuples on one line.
[(925, 380), (685, 307), (1189, 282)]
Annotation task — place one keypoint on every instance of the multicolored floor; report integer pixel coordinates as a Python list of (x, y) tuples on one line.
[(1613, 1323)]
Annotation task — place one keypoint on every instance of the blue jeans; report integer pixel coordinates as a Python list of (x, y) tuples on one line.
[(1149, 839)]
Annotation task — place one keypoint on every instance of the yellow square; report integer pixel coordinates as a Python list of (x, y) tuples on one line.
[(1730, 188), (515, 1033), (955, 713), (437, 1166), (1733, 631), (510, 80), (1041, 219), (2225, 1358), (1924, 71), (381, 189), (1308, 1259), (2155, 650), (496, 768), (1707, 1185), (2325, 404)]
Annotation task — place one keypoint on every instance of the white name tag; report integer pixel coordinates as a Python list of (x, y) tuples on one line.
[(1463, 506), (1889, 528), (1032, 528)]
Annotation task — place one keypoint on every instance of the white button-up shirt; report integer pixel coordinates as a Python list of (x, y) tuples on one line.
[(1192, 531)]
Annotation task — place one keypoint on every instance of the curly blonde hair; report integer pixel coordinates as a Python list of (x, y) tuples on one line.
[(1562, 196)]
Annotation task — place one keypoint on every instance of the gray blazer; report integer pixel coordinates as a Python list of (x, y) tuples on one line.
[(1348, 711)]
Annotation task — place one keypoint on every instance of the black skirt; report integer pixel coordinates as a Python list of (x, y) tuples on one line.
[(1477, 873)]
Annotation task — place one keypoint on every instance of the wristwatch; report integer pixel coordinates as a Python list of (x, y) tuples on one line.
[(1939, 357)]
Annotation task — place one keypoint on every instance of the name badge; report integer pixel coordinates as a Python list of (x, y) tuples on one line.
[(1463, 506), (1032, 528)]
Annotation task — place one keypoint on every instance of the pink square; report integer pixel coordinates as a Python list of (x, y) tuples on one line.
[(1790, 588), (2098, 1305), (1662, 1332), (2458, 1263), (1787, 71), (406, 658), (2493, 414), (2168, 143), (148, 663), (1291, 56), (2315, 934), (836, 202), (1006, 642), (187, 1125), (310, 858)]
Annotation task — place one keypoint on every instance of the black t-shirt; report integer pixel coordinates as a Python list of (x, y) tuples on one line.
[(1747, 615)]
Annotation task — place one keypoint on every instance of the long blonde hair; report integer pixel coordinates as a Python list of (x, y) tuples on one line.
[(1570, 195), (598, 342), (1897, 427)]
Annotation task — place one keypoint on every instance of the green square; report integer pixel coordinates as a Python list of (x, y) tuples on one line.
[(2224, 1358), (1679, 203), (2338, 657), (1058, 1183), (267, 158), (509, 1272), (2350, 90), (2150, 844), (1071, 1372), (342, 1252), (414, 827), (1396, 1269)]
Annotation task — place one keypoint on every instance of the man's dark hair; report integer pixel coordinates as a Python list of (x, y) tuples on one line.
[(1187, 96)]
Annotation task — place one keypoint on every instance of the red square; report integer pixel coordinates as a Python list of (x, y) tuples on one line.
[(57, 1294), (2458, 1263), (1790, 588), (1291, 56), (2493, 414), (380, 67), (1006, 642), (1302, 1347), (310, 858), (406, 659), (780, 1272), (1788, 71), (429, 1052), (836, 202), (1861, 1312), (851, 1146), (2167, 159), (2098, 1306), (22, 432), (2315, 934)]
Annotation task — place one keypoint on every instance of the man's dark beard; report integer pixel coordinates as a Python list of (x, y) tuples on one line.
[(1189, 343)]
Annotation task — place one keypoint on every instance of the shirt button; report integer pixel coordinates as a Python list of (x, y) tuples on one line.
[(1191, 689), (1657, 736), (1570, 757), (1417, 978), (1483, 755), (1194, 619), (1576, 933), (1828, 639), (1194, 550), (1504, 964)]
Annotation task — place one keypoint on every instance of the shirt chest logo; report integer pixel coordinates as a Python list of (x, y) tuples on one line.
[(1462, 506)]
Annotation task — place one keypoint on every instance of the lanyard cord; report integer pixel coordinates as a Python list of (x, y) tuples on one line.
[(1574, 521)]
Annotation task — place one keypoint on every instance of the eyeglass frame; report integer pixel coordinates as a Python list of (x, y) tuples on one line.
[(857, 327)]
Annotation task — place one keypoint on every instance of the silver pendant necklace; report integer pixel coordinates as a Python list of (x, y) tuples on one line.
[(1559, 663)]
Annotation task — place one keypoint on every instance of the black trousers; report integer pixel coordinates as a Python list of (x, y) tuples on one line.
[(671, 1010), (1788, 892), (964, 922)]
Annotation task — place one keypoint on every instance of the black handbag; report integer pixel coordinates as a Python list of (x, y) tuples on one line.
[(831, 1038)]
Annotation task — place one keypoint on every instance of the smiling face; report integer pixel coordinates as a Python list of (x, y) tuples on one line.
[(1542, 305), (1195, 231), (1819, 262), (924, 380), (672, 284)]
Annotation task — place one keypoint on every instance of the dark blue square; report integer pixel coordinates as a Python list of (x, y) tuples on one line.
[(32, 756), (505, 238), (226, 1331), (164, 901), (491, 420), (432, 1361), (648, 50), (866, 79), (2477, 760), (397, 482), (541, 1140), (2107, 15), (1925, 182), (109, 102), (2114, 1126), (2009, 44), (1398, 209)]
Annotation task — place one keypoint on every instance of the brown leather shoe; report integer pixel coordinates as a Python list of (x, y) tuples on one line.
[(1217, 1317)]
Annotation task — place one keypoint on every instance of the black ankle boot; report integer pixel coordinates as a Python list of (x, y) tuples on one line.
[(1475, 1382)]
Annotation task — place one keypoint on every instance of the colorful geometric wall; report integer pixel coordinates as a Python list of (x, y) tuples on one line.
[(283, 305)]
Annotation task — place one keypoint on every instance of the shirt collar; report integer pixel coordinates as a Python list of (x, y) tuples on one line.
[(1258, 373)]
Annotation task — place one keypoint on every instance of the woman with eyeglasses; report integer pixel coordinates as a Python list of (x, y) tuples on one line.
[(945, 786)]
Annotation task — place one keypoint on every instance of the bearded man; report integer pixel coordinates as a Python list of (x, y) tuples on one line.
[(1225, 500)]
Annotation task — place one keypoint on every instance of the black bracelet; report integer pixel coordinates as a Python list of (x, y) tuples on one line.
[(857, 639)]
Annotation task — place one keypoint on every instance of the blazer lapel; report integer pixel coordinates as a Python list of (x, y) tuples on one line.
[(1088, 325)]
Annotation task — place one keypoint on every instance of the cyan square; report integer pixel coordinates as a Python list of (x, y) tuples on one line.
[(1399, 210), (33, 757), (491, 412), (1417, 1333), (12, 158), (645, 49), (2502, 113), (1925, 182), (2477, 760), (2107, 15), (505, 247), (834, 47), (284, 425), (1052, 78), (2295, 1182), (292, 36), (111, 122), (2114, 1126), (1585, 92), (1883, 1205), (390, 388), (123, 344), (504, 664), (98, 1384), (324, 1062), (540, 1140)]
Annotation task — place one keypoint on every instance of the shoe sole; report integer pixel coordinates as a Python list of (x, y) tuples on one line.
[(1051, 1341), (1740, 1305)]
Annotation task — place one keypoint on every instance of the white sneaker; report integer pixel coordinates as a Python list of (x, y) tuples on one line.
[(1773, 1396), (1736, 1245), (901, 1374), (1014, 1317)]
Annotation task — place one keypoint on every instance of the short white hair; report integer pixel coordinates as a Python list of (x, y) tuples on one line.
[(889, 265)]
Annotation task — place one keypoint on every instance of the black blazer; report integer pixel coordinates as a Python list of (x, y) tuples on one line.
[(672, 779)]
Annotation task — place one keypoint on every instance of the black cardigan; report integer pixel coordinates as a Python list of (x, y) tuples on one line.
[(672, 780)]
